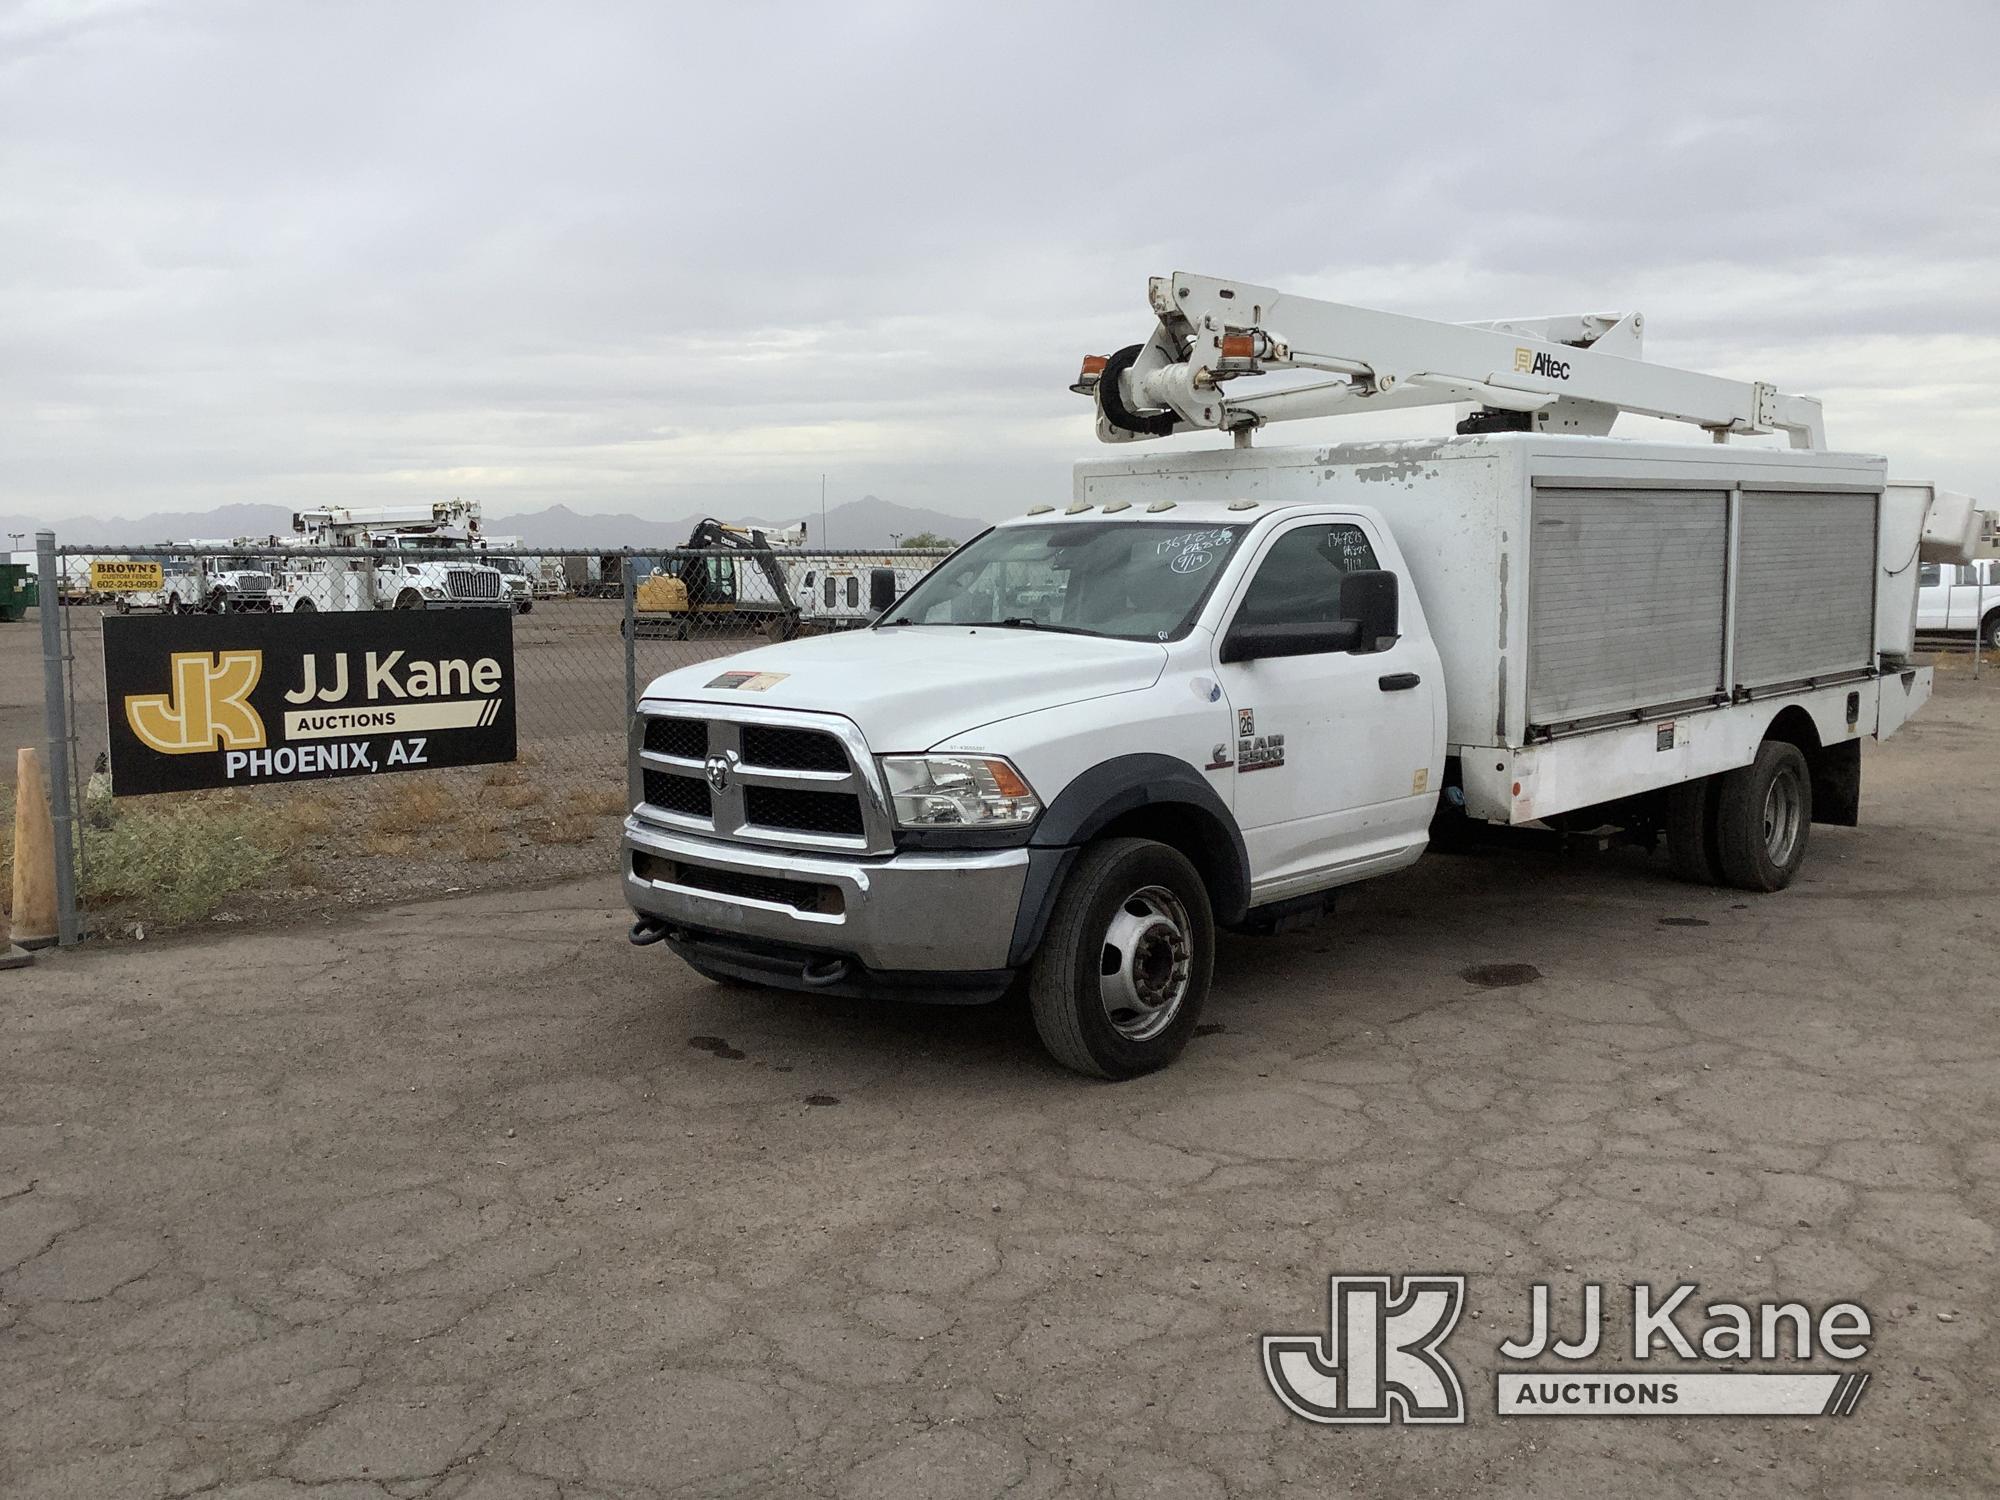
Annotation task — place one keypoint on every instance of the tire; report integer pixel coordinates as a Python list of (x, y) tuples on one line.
[(1691, 832), (173, 604), (305, 607), (526, 605), (1990, 628), (1763, 818), (409, 599), (1143, 905)]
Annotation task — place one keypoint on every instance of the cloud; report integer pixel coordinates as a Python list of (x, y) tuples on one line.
[(617, 256)]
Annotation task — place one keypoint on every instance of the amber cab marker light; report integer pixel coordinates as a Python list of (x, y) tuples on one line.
[(1007, 780)]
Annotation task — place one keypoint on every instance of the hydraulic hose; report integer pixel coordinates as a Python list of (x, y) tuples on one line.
[(1111, 401)]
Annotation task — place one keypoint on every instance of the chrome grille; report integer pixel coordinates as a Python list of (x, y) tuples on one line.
[(802, 812), (686, 795), (782, 749), (799, 780), (686, 738), (471, 583), (252, 583)]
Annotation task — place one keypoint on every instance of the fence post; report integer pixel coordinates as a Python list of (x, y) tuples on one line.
[(55, 709), (629, 587)]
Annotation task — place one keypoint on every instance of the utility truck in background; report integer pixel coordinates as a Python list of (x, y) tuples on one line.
[(404, 571), (1217, 686), (518, 575), (204, 582)]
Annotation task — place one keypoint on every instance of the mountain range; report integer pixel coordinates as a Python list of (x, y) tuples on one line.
[(867, 524)]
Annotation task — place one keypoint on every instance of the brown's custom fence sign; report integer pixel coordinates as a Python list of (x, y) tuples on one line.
[(117, 576), (198, 701)]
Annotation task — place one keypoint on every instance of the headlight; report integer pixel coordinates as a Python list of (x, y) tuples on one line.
[(431, 591), (953, 791)]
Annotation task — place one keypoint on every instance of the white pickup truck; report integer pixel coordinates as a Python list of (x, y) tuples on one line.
[(1961, 599), (1220, 685)]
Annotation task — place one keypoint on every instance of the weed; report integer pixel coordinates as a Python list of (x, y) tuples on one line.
[(312, 815), (568, 829), (386, 845), (178, 857), (521, 796), (602, 801), (415, 805), (483, 845)]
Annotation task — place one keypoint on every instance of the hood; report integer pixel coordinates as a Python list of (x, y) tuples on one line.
[(910, 686)]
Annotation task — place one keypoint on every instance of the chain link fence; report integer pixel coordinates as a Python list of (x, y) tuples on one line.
[(590, 629)]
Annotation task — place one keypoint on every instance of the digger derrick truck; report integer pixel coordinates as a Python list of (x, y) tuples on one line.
[(1218, 686), (404, 572)]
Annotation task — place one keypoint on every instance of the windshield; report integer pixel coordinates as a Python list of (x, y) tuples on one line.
[(1136, 580)]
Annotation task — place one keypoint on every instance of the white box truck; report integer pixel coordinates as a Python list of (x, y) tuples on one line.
[(1219, 685)]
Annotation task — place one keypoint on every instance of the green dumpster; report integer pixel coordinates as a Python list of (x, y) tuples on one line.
[(17, 590)]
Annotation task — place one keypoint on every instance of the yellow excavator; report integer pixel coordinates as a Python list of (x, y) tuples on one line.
[(752, 587)]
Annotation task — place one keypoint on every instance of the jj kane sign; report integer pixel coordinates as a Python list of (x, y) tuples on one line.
[(239, 700)]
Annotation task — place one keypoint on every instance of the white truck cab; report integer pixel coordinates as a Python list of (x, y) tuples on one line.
[(1961, 599), (1218, 686)]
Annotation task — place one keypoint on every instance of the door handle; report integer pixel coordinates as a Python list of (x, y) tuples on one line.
[(1396, 682)]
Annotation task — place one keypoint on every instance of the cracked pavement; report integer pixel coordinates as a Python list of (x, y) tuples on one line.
[(472, 1199)]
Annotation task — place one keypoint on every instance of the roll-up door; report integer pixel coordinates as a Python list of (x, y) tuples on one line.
[(1805, 590), (1626, 600)]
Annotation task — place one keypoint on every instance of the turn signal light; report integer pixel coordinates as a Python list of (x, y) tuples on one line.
[(1239, 346), (1088, 376)]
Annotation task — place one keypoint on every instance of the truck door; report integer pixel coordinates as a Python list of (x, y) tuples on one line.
[(1337, 754), (1932, 597)]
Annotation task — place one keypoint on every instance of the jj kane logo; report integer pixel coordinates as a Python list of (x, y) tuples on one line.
[(1382, 1358), (1380, 1362), (208, 706)]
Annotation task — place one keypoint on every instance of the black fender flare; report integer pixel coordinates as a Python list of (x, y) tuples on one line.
[(1106, 792)]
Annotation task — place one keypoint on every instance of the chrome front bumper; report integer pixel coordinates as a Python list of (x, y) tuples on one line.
[(938, 912)]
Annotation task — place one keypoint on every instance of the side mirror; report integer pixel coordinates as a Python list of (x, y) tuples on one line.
[(1318, 638), (1368, 601)]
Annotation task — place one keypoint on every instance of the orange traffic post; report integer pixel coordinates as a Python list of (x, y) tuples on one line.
[(34, 856)]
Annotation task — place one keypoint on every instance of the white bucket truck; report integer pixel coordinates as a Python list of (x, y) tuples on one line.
[(1219, 685), (404, 571), (207, 582)]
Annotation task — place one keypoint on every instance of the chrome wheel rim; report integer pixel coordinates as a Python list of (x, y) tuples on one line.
[(1782, 818), (1144, 963)]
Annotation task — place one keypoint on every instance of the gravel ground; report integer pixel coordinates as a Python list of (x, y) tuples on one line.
[(470, 1198)]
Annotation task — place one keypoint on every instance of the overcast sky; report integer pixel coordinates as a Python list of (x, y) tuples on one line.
[(663, 259)]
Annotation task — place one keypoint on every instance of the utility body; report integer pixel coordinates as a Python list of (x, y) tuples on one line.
[(1218, 686)]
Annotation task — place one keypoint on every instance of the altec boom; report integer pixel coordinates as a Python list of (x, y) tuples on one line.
[(1566, 374)]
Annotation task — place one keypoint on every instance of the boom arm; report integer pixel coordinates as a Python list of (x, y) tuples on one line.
[(1561, 374)]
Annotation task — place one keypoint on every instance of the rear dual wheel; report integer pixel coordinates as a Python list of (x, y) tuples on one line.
[(1746, 828), (1123, 972)]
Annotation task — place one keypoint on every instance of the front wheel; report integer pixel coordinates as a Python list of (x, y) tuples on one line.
[(1991, 630), (305, 607), (409, 599), (524, 606), (1763, 816), (1124, 970)]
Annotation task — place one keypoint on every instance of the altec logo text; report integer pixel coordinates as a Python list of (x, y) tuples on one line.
[(1382, 1358), (1540, 362)]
